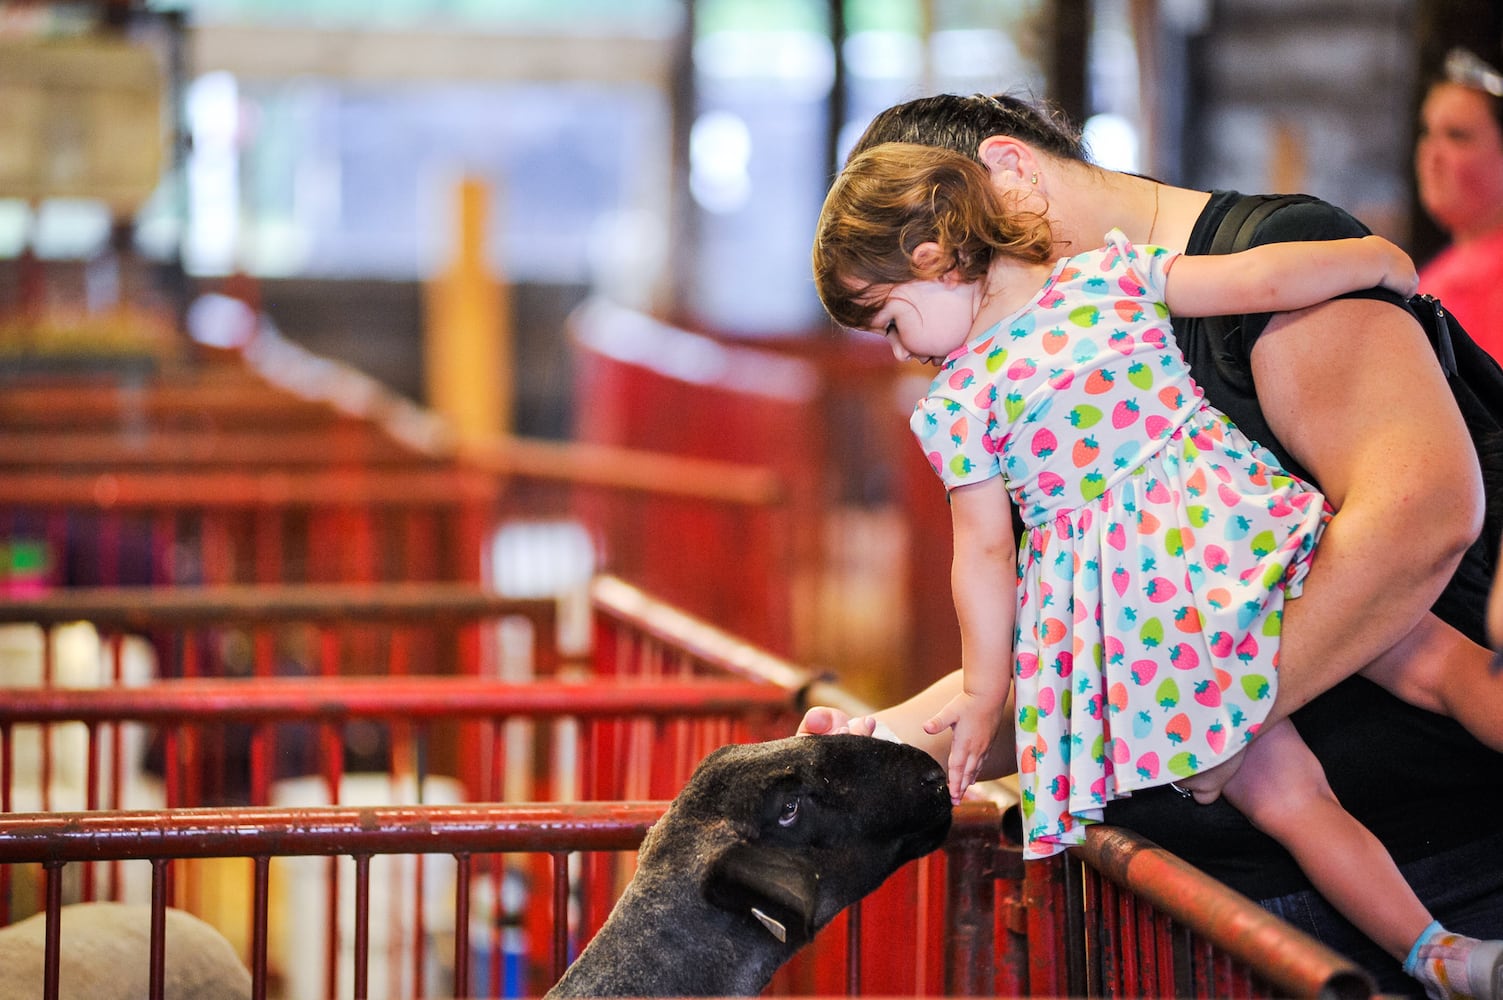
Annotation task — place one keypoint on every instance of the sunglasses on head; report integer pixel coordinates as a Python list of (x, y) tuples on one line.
[(1467, 70)]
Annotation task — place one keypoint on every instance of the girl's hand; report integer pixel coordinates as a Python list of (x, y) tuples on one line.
[(974, 720), (1398, 270)]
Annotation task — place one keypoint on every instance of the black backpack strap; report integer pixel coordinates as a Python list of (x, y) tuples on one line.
[(1234, 234)]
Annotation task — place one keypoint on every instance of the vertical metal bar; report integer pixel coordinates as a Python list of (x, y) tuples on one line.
[(1091, 937), (495, 923), (1077, 942), (560, 913), (172, 772), (52, 877), (362, 925), (419, 923), (160, 868), (1129, 964), (462, 926), (46, 728), (853, 950), (260, 905), (331, 952), (91, 796)]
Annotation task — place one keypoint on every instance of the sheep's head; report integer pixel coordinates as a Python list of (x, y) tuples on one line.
[(790, 832)]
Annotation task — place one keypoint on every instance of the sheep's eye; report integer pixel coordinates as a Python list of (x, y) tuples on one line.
[(789, 814)]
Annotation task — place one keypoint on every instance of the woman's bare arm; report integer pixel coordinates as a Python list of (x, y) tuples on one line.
[(1353, 391)]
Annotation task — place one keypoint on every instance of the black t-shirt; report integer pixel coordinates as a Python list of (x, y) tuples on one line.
[(1417, 780)]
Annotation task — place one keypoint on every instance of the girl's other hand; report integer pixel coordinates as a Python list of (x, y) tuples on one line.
[(1398, 270)]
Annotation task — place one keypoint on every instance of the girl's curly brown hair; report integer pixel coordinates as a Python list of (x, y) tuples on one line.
[(891, 198)]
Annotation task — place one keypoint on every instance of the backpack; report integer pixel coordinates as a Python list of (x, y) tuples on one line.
[(1475, 377)]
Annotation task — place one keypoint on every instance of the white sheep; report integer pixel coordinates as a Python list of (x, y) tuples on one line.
[(104, 955), (763, 847)]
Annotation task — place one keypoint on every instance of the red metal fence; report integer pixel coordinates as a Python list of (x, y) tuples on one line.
[(318, 599), (970, 920)]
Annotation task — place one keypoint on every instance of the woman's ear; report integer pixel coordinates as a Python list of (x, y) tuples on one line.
[(1010, 162)]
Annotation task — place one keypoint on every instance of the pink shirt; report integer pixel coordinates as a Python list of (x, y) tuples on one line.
[(1468, 279)]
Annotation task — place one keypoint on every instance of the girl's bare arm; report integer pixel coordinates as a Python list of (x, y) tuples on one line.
[(1282, 277)]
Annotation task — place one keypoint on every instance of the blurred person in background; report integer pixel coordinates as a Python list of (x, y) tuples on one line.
[(1458, 165)]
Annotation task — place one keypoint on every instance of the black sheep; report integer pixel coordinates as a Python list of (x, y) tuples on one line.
[(763, 847)]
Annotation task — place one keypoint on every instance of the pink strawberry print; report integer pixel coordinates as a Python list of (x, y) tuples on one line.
[(1046, 701), (961, 378), (1216, 738), (1021, 369), (1160, 590), (1124, 413), (1120, 340), (1061, 379), (1051, 484), (1044, 443), (1064, 664), (1116, 536), (1148, 766), (1183, 656), (1027, 664), (1120, 579), (1208, 694), (1216, 559), (1143, 671)]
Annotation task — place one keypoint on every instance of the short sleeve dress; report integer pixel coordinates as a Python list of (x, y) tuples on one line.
[(1160, 542)]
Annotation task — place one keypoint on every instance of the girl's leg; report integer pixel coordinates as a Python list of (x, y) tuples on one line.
[(1282, 790), (1438, 669)]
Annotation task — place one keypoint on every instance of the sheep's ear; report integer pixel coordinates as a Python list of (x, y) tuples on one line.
[(771, 886)]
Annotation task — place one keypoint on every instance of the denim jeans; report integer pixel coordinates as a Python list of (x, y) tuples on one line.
[(1463, 889)]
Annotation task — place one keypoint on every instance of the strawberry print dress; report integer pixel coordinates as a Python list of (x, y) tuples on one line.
[(1160, 542)]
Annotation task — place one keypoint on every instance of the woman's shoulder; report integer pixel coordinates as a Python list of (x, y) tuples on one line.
[(1297, 218)]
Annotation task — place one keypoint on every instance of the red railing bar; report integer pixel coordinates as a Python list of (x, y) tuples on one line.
[(218, 490), (270, 831), (696, 641), (155, 607), (1235, 926), (331, 698)]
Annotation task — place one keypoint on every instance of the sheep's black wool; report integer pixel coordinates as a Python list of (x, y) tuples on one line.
[(764, 846)]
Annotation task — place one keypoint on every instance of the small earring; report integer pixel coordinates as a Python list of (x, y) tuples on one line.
[(1035, 178)]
